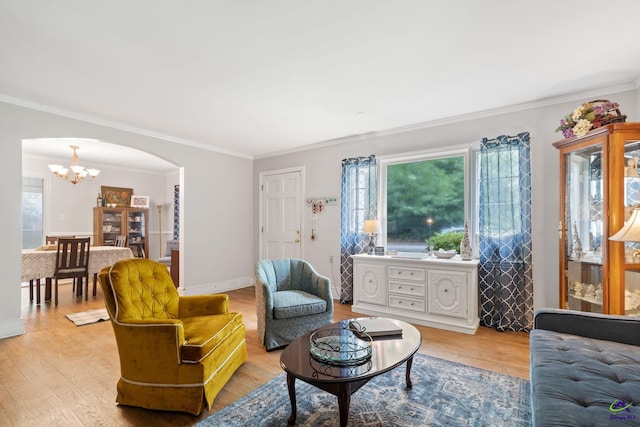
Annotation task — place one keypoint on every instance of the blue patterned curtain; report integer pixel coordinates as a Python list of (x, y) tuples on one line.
[(359, 189), (505, 271), (176, 212)]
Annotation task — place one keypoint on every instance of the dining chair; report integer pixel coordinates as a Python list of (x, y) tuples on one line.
[(72, 262), (121, 241), (49, 240)]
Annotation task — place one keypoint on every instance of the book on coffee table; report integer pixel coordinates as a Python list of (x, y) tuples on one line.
[(376, 327)]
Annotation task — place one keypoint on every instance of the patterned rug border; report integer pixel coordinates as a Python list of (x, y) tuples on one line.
[(444, 393), (88, 317)]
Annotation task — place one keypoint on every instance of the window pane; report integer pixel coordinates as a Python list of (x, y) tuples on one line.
[(31, 213), (501, 192), (423, 198)]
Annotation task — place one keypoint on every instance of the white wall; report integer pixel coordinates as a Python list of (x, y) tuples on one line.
[(323, 169), (216, 202)]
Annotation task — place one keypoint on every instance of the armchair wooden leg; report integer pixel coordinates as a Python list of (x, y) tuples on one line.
[(95, 283)]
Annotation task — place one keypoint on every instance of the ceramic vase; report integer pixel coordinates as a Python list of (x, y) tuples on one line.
[(465, 243)]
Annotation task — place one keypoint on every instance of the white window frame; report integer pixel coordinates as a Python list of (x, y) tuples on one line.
[(465, 151)]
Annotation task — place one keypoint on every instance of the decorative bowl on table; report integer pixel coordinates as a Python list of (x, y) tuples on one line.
[(341, 347), (445, 254)]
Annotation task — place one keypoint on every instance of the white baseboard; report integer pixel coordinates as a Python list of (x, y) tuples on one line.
[(11, 328), (217, 287)]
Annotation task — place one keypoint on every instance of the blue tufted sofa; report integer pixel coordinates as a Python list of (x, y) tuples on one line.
[(585, 369)]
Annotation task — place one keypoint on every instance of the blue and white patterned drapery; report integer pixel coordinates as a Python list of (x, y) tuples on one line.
[(176, 212), (505, 271), (359, 189)]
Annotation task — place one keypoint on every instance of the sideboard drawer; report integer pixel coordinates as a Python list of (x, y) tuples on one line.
[(408, 288), (407, 303), (407, 273)]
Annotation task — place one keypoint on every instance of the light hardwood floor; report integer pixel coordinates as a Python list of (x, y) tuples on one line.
[(57, 374)]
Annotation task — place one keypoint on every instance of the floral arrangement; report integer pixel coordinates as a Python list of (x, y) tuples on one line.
[(590, 115)]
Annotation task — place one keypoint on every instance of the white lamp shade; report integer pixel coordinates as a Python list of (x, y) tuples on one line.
[(631, 230), (372, 226)]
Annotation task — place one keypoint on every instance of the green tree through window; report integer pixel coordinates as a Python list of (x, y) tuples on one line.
[(423, 198)]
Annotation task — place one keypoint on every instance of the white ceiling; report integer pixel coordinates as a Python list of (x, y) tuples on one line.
[(257, 77)]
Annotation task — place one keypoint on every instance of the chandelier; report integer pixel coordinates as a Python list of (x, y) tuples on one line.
[(74, 173)]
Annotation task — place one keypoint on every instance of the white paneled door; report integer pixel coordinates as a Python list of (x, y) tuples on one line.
[(281, 215)]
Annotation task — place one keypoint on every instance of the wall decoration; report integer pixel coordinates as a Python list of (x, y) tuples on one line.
[(140, 201), (317, 205), (120, 196)]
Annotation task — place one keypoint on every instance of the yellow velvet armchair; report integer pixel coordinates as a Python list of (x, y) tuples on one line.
[(176, 352)]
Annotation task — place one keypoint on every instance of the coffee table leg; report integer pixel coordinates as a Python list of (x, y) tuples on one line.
[(408, 375), (344, 401), (291, 385)]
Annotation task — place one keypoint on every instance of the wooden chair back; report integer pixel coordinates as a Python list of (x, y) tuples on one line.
[(121, 241), (72, 261)]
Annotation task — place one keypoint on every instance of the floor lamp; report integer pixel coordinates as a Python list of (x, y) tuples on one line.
[(159, 229)]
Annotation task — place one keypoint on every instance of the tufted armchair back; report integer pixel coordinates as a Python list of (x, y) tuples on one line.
[(141, 289)]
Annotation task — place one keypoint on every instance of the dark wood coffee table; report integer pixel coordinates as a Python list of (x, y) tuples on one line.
[(342, 381)]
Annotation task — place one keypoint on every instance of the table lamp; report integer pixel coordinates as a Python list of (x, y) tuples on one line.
[(372, 228), (630, 232)]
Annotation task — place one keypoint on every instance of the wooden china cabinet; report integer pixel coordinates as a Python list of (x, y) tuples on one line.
[(133, 223), (600, 186)]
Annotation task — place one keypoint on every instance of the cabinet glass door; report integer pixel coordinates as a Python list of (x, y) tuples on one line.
[(136, 233), (584, 222), (631, 201), (111, 226)]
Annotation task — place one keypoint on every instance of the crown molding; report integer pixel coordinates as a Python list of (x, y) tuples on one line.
[(115, 125), (544, 102)]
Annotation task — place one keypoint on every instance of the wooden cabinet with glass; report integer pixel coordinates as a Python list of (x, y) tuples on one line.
[(132, 223), (600, 187)]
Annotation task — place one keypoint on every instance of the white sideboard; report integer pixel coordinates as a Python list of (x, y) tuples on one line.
[(441, 293)]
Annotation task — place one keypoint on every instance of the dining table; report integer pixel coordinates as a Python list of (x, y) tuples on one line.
[(38, 264)]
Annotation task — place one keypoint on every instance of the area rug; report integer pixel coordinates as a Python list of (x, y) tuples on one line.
[(88, 317), (444, 394)]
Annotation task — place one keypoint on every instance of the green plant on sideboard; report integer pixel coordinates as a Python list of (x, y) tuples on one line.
[(446, 241)]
